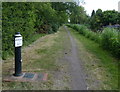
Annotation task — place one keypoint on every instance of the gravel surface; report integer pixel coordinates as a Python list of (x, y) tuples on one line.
[(75, 68)]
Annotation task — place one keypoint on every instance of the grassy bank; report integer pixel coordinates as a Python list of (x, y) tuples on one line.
[(8, 54), (32, 39), (41, 56), (104, 60), (108, 39)]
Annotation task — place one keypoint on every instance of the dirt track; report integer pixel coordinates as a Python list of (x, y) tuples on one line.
[(75, 67)]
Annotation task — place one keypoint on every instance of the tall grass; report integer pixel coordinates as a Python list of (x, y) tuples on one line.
[(108, 39)]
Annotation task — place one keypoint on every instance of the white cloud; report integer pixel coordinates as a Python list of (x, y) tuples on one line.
[(102, 4)]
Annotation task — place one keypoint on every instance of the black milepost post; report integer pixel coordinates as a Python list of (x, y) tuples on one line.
[(18, 60)]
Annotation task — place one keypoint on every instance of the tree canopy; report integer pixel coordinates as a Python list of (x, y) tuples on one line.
[(104, 18), (31, 18)]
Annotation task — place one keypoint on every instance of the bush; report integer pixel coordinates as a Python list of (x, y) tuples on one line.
[(109, 39), (30, 19), (107, 36)]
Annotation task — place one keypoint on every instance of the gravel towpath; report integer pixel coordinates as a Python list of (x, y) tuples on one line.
[(75, 66)]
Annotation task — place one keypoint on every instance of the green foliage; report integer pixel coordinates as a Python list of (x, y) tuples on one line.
[(100, 19), (109, 39), (96, 20), (16, 17), (30, 19), (110, 17), (93, 13), (78, 15), (109, 63)]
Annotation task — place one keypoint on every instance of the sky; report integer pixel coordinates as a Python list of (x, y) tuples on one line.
[(100, 4)]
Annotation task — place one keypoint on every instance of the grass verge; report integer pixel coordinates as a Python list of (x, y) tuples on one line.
[(8, 54), (109, 63), (32, 39), (38, 57)]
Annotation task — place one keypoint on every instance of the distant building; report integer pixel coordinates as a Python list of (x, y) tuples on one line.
[(119, 6)]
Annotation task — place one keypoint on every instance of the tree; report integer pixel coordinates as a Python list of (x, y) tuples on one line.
[(105, 18), (110, 17), (77, 13), (93, 13), (30, 19)]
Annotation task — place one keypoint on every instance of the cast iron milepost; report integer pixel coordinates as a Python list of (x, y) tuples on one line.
[(18, 60)]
